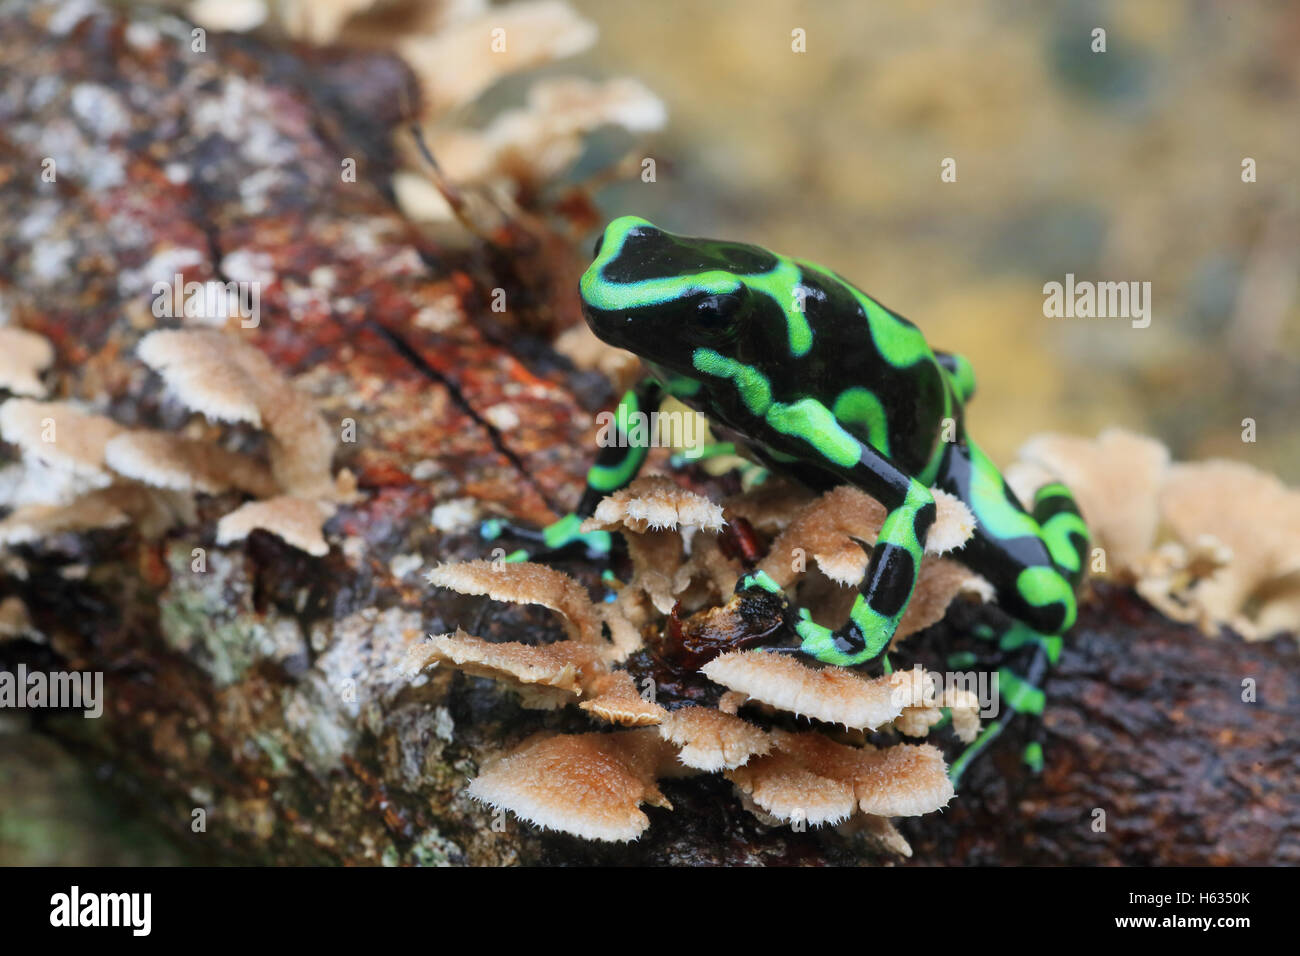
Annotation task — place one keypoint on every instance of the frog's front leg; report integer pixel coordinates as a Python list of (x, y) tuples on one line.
[(895, 561), (617, 463), (885, 591)]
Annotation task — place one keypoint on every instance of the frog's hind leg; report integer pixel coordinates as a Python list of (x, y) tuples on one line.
[(895, 560), (1019, 695), (1063, 529), (1034, 562)]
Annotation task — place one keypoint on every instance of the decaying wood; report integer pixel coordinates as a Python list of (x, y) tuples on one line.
[(260, 689)]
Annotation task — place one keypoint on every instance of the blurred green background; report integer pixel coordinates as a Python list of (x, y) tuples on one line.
[(1123, 165)]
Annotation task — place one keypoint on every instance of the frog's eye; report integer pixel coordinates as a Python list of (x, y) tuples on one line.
[(719, 309)]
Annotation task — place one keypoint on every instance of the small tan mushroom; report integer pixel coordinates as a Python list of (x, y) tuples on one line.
[(14, 620), (581, 347), (1255, 516), (713, 740), (227, 379), (962, 704), (813, 778), (1167, 577), (830, 694), (23, 356), (534, 143), (614, 698), (903, 781), (650, 513), (589, 785), (212, 372), (296, 521), (529, 583), (111, 507), (1115, 479), (454, 65), (655, 503), (59, 434), (731, 702), (825, 529), (165, 460), (545, 676)]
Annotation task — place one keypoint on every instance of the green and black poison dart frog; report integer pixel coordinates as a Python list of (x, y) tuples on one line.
[(822, 383)]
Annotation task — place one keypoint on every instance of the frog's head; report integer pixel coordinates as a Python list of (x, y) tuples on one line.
[(664, 296)]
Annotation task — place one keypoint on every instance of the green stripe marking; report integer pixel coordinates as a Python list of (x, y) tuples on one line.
[(1020, 695), (812, 421), (755, 391), (1033, 756), (860, 406)]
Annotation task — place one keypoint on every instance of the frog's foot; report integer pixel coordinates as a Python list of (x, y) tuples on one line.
[(702, 453), (863, 638), (845, 647), (757, 595), (1020, 695), (561, 537)]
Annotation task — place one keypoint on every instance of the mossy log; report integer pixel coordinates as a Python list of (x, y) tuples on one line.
[(257, 689)]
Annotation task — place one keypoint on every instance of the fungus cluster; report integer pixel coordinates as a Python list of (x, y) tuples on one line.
[(677, 563), (457, 51), (81, 470), (1203, 542), (1211, 543)]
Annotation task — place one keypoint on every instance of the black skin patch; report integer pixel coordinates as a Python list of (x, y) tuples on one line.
[(648, 253), (892, 584)]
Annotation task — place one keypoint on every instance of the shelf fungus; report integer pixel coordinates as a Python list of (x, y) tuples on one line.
[(1211, 543), (1115, 478), (615, 699), (227, 379), (528, 583), (60, 435), (832, 695), (590, 785), (653, 514), (82, 471), (166, 460), (63, 483), (673, 537), (545, 676), (712, 740), (23, 357), (812, 778), (296, 521)]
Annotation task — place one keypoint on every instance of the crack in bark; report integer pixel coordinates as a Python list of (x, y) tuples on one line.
[(409, 352)]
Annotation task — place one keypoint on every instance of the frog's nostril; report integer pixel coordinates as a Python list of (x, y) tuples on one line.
[(600, 241)]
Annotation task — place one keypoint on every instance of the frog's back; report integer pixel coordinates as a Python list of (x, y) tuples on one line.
[(872, 368)]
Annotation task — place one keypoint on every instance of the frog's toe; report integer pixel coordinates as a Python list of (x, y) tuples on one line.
[(564, 536)]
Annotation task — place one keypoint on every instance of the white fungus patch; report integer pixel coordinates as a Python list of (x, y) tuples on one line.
[(163, 267), (454, 516), (100, 110)]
